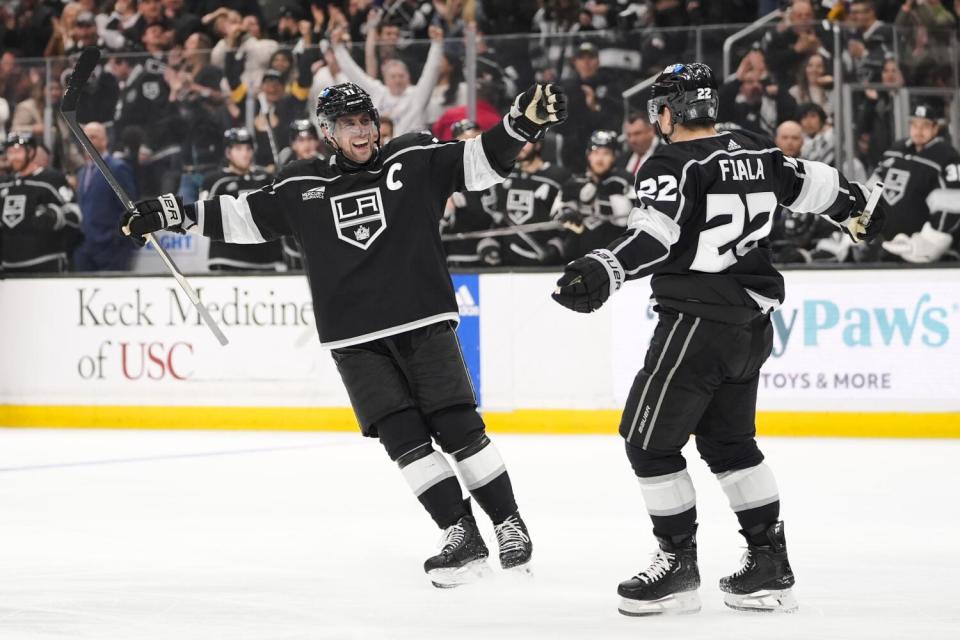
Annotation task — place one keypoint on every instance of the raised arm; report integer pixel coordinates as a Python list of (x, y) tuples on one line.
[(251, 218)]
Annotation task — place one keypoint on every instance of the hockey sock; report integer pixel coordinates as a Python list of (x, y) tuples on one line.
[(434, 483), (486, 478), (667, 490), (671, 502), (406, 438), (754, 497)]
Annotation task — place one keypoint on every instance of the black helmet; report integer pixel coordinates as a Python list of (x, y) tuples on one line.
[(21, 138), (302, 127), (344, 99), (238, 135), (462, 126), (603, 139), (690, 90), (929, 108)]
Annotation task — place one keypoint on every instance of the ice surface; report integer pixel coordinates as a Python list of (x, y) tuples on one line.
[(197, 535)]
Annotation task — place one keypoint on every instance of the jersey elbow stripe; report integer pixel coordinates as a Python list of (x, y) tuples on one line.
[(947, 200), (239, 226), (477, 172), (820, 189)]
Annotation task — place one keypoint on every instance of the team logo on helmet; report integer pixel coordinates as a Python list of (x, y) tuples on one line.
[(359, 217)]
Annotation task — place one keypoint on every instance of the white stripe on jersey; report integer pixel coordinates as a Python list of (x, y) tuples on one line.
[(659, 225), (944, 200), (821, 185), (237, 221), (477, 172)]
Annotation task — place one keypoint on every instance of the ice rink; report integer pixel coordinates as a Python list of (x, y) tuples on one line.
[(208, 535)]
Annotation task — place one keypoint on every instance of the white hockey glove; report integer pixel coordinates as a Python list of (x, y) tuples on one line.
[(154, 214), (926, 245), (537, 109)]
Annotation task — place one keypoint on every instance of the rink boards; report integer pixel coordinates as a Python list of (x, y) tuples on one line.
[(856, 353)]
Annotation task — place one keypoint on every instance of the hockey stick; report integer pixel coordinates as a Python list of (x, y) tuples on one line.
[(68, 111), (506, 231), (871, 204)]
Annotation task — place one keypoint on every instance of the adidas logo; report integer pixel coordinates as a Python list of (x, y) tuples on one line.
[(733, 146), (313, 194), (466, 302)]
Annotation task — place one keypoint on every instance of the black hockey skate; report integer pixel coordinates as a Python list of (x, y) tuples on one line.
[(669, 585), (515, 545), (764, 581), (462, 557)]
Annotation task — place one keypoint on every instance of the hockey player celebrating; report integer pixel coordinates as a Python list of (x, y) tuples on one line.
[(239, 177), (368, 222), (921, 180), (469, 211), (530, 194), (706, 201), (595, 205), (39, 220)]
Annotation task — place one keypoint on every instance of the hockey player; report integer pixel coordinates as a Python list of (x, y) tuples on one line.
[(39, 218), (531, 193), (595, 205), (368, 223), (240, 176), (706, 200), (921, 183), (304, 145), (469, 211)]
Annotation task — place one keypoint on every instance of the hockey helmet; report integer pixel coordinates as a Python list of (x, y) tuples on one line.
[(344, 99), (603, 139), (460, 127), (20, 138), (302, 127), (690, 90), (928, 108), (237, 135)]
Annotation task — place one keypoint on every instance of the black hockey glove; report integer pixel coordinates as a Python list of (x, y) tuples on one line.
[(854, 225), (537, 109), (48, 217), (489, 252), (588, 281), (153, 214)]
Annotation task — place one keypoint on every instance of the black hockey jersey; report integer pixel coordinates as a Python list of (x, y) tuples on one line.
[(267, 256), (466, 212), (370, 237), (525, 198), (28, 239), (704, 215), (920, 186), (145, 102), (604, 206)]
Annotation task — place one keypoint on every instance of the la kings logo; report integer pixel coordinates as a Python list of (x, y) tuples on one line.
[(359, 217), (895, 185), (14, 208)]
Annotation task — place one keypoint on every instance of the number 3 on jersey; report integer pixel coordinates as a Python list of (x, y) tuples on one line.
[(720, 247)]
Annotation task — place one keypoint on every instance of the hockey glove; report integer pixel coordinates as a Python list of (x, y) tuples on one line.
[(588, 281), (153, 214), (489, 252), (571, 220), (537, 109), (48, 217), (924, 246), (854, 226)]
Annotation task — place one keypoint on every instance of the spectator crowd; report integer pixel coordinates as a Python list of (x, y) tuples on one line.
[(184, 84)]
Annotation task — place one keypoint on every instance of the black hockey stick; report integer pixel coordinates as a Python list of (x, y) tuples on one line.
[(68, 111)]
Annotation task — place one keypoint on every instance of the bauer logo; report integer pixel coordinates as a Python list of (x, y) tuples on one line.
[(359, 216), (825, 323), (467, 287)]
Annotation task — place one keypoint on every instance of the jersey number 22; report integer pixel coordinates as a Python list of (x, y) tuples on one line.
[(720, 247)]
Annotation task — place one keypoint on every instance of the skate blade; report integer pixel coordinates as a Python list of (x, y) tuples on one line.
[(450, 578), (674, 604), (766, 601)]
